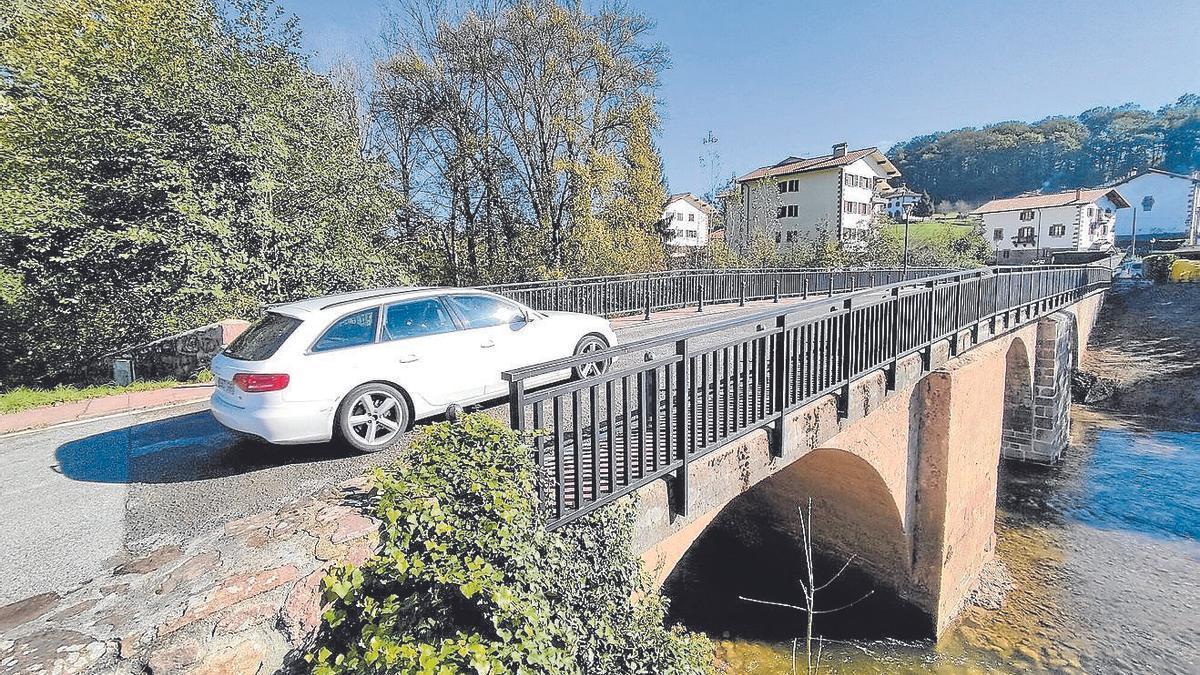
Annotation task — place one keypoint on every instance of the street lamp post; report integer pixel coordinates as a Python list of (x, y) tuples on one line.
[(907, 208)]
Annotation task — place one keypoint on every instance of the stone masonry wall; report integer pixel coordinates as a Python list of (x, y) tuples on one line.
[(177, 356)]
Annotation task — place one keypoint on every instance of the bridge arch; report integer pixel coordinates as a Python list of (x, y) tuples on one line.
[(855, 512), (1016, 436)]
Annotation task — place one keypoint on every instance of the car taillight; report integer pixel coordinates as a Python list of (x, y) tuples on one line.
[(256, 382)]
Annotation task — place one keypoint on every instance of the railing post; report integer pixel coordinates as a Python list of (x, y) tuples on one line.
[(957, 315), (741, 290), (927, 354), (843, 403), (647, 298), (700, 297), (782, 379), (682, 417), (895, 346), (830, 283), (804, 288), (777, 291), (516, 404)]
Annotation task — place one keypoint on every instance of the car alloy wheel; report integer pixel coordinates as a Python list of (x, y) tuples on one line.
[(373, 416), (589, 345)]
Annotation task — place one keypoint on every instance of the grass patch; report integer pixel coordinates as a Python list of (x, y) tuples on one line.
[(24, 398), (927, 230)]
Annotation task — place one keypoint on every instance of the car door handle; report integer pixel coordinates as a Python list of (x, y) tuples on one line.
[(488, 344), (409, 358)]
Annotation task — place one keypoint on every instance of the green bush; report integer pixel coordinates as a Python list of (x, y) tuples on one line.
[(468, 580), (1158, 267)]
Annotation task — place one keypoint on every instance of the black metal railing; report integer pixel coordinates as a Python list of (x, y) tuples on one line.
[(666, 401), (632, 293)]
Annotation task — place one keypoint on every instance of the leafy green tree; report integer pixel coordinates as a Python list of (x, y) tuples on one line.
[(167, 164), (1095, 147)]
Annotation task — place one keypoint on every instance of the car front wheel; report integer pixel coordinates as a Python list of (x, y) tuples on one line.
[(588, 345), (372, 417)]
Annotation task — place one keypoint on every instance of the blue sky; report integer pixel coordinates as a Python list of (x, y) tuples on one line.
[(776, 78)]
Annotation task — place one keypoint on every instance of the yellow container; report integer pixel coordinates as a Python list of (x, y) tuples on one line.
[(1185, 271)]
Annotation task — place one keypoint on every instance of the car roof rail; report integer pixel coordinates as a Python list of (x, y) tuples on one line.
[(375, 296)]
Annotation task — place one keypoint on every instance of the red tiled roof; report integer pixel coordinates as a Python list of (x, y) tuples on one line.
[(693, 200), (798, 165), (1070, 198)]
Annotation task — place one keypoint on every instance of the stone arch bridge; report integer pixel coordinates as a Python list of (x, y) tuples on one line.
[(891, 409)]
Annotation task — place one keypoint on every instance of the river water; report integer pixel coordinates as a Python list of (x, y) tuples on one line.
[(1103, 552)]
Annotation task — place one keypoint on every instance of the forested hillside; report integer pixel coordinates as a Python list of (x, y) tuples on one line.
[(1095, 147)]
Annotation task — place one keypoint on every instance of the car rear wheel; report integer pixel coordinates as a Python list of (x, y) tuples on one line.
[(588, 345), (372, 417)]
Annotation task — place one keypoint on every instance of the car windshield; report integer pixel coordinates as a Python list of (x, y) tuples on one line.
[(263, 338)]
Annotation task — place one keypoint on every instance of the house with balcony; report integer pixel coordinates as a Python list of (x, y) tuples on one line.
[(688, 219), (799, 198), (1034, 227)]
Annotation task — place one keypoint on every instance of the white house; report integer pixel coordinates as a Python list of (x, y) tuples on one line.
[(1164, 203), (899, 201), (1032, 227), (801, 198), (689, 219)]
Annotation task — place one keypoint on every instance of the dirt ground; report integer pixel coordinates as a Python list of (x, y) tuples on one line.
[(1148, 341)]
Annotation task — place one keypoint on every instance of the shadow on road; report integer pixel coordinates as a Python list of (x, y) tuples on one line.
[(178, 449)]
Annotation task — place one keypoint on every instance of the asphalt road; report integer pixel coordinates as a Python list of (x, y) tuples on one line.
[(76, 500)]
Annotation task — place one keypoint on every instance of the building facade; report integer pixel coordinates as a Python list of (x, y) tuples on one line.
[(1034, 227), (1164, 203), (689, 220), (899, 201), (801, 199)]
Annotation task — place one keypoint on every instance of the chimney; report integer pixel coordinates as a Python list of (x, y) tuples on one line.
[(839, 150), (1078, 194)]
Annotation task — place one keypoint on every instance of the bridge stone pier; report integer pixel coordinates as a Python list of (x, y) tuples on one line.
[(905, 480)]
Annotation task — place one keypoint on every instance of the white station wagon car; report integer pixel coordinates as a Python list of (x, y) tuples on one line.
[(363, 366)]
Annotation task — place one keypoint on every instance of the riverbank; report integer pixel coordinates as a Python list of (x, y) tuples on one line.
[(1147, 342)]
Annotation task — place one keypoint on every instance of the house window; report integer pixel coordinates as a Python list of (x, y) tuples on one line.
[(1025, 234), (1027, 214), (1006, 252), (998, 234), (691, 217), (1058, 230), (794, 185), (789, 211), (782, 187), (778, 237), (782, 212)]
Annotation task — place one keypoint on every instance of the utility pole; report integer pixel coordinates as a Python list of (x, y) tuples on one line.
[(1133, 254), (907, 208)]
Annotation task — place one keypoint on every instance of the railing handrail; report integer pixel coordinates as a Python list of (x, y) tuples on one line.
[(550, 283), (721, 326)]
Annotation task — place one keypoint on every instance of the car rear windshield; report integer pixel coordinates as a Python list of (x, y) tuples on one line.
[(263, 338)]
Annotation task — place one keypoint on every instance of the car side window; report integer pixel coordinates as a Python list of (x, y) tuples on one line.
[(349, 331), (480, 311), (416, 318)]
